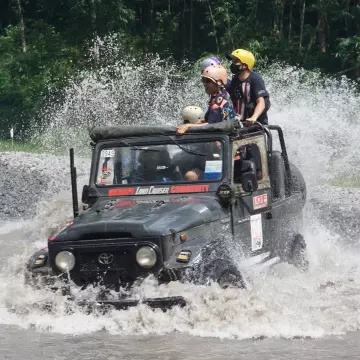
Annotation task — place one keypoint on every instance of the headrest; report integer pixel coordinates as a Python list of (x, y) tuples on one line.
[(160, 158)]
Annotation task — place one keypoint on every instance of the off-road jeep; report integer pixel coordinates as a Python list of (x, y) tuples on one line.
[(178, 207)]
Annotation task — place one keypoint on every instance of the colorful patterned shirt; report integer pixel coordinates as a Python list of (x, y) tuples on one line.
[(220, 108)]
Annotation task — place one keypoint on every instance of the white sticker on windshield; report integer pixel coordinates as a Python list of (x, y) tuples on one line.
[(107, 153), (256, 232)]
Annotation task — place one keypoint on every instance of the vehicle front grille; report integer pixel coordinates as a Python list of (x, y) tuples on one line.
[(89, 262)]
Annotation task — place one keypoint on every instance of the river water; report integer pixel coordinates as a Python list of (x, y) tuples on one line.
[(27, 344), (284, 314)]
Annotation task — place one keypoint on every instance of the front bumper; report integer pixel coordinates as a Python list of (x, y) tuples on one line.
[(44, 277), (103, 306), (123, 304)]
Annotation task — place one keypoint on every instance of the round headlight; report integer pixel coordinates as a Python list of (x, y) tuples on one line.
[(65, 261), (146, 257)]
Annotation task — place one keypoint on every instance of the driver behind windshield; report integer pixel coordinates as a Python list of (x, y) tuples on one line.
[(194, 175), (164, 164), (154, 166)]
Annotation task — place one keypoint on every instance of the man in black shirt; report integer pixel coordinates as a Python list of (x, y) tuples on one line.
[(247, 89)]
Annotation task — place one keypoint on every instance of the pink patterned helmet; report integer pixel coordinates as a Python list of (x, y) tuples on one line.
[(216, 73)]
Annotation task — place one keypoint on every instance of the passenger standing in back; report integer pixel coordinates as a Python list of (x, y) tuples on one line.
[(247, 89), (214, 79)]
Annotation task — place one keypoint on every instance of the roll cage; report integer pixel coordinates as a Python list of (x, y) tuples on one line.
[(231, 130)]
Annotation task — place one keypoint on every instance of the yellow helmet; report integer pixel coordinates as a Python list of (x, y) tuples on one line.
[(245, 56)]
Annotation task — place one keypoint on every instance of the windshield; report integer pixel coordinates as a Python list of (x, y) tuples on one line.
[(175, 162)]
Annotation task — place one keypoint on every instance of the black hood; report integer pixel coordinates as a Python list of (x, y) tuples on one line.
[(142, 217)]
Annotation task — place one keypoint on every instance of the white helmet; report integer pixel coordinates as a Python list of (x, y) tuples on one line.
[(192, 114)]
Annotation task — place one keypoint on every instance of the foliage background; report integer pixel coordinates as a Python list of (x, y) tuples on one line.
[(44, 43)]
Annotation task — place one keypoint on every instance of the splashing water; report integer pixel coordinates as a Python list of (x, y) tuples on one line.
[(322, 131), (124, 91)]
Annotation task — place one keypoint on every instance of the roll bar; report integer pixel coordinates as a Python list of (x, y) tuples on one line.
[(73, 184), (258, 129), (288, 178)]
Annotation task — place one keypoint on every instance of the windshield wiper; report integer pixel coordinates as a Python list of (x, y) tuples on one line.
[(124, 143), (186, 150), (143, 149), (137, 148)]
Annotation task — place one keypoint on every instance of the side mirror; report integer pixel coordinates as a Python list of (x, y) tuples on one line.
[(89, 195), (85, 194), (249, 181), (246, 174)]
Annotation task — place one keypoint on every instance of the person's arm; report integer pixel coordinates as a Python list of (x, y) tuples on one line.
[(259, 109), (258, 92), (213, 115), (183, 128)]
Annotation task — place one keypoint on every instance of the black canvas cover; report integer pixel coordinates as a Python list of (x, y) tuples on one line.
[(118, 132)]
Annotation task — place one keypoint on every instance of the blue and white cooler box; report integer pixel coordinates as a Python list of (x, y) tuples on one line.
[(213, 170)]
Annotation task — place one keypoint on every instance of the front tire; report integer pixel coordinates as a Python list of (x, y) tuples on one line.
[(298, 256), (226, 275)]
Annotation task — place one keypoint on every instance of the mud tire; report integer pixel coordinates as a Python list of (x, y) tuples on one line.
[(298, 256), (226, 275)]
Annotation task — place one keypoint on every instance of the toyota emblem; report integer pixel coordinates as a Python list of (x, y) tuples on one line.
[(106, 258)]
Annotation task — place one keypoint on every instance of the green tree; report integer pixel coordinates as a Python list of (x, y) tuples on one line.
[(43, 43)]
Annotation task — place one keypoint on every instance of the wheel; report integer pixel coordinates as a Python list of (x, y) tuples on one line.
[(226, 275), (298, 182), (298, 255), (230, 279)]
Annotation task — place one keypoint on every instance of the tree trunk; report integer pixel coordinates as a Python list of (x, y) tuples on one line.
[(141, 20), (347, 5), (290, 22), (347, 70), (191, 29), (358, 25), (311, 42), (94, 28), (151, 24), (322, 36), (169, 10), (302, 17), (229, 26), (93, 16), (255, 9), (281, 25), (22, 26), (347, 9), (142, 27), (214, 27), (184, 29)]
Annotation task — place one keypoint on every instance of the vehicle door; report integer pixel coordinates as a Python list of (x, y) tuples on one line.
[(251, 209)]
